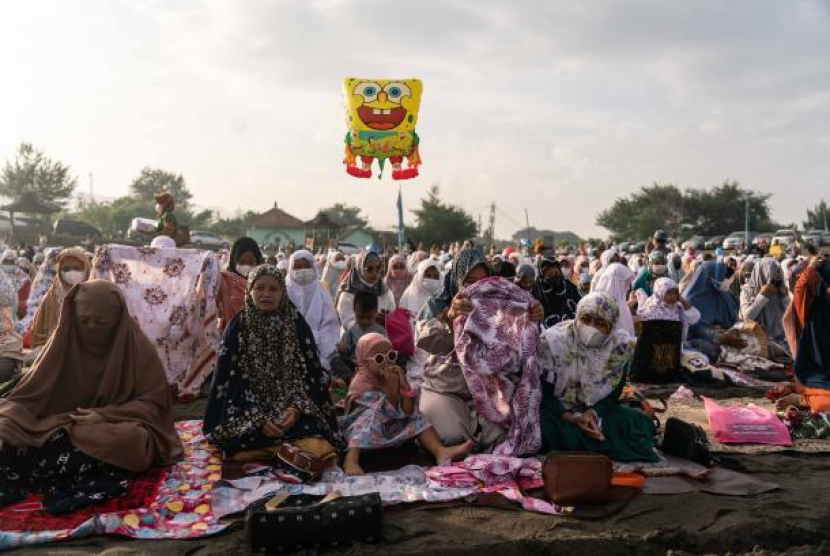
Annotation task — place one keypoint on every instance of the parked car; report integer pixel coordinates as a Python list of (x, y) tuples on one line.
[(785, 236), (696, 242), (738, 240), (623, 246), (817, 237), (714, 242), (208, 240), (348, 248), (637, 247), (763, 240), (73, 232)]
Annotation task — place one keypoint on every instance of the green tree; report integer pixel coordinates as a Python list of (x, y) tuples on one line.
[(115, 217), (721, 209), (439, 223), (640, 214), (154, 180), (234, 227), (346, 215), (33, 172), (817, 217)]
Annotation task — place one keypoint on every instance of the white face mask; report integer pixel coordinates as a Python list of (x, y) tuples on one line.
[(159, 208), (72, 277), (244, 269), (566, 272), (432, 285), (590, 336), (303, 276), (660, 269), (339, 265), (9, 268)]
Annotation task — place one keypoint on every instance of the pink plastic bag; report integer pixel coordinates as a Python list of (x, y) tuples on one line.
[(746, 425), (399, 330)]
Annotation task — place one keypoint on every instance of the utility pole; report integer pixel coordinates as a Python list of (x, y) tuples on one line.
[(491, 227), (527, 223), (746, 223), (824, 210)]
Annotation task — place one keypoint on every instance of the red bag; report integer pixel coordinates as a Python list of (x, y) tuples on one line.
[(399, 330)]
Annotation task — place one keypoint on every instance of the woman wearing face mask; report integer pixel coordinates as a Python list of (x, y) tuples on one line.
[(426, 284), (21, 281), (667, 304), (46, 273), (365, 275), (332, 272), (675, 266), (764, 299), (269, 387), (230, 296), (657, 268), (73, 268), (94, 408), (398, 277), (584, 366), (314, 304), (446, 400), (11, 342), (558, 296)]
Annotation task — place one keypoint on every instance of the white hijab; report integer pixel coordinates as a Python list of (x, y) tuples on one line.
[(316, 306), (616, 281), (415, 296)]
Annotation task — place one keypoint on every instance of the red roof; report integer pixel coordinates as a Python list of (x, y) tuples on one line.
[(276, 218)]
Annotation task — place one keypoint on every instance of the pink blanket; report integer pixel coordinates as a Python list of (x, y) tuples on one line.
[(496, 347)]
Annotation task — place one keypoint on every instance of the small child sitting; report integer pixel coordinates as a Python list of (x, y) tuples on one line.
[(380, 408), (366, 316)]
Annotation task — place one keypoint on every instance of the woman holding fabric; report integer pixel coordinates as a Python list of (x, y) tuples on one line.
[(365, 275), (94, 408), (314, 304), (269, 387), (230, 297), (764, 299), (558, 296), (73, 269), (446, 400), (584, 366)]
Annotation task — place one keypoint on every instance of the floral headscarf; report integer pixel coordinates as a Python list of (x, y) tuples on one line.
[(355, 282), (583, 376)]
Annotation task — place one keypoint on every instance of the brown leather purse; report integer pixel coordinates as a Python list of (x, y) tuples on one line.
[(309, 467), (577, 478)]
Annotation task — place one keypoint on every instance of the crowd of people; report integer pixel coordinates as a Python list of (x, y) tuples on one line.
[(510, 353)]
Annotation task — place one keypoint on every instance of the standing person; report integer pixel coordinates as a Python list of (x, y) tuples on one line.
[(73, 269), (94, 408), (269, 387), (245, 256), (558, 296), (314, 304), (616, 282), (607, 258), (398, 277), (584, 366), (21, 281), (166, 219), (765, 299), (364, 276)]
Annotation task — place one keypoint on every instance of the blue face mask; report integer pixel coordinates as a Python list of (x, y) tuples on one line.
[(8, 268)]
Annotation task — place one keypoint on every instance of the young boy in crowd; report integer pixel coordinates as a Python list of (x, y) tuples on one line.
[(366, 313)]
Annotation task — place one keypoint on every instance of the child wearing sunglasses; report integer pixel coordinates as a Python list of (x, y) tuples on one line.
[(381, 409)]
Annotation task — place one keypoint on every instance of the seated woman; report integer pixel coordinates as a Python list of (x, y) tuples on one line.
[(765, 299), (11, 342), (584, 367), (380, 408), (365, 275), (332, 272), (425, 284), (718, 312), (21, 280), (525, 276), (314, 304), (269, 387), (397, 277), (811, 308), (73, 268), (230, 297), (445, 399), (94, 408), (616, 282), (667, 304), (557, 295), (657, 268)]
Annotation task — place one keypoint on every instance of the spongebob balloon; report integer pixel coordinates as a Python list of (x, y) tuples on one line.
[(381, 115)]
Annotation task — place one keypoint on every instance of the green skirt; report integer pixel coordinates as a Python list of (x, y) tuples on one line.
[(629, 434)]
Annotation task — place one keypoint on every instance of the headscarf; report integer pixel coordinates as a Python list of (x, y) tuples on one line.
[(316, 306), (365, 380), (331, 275), (605, 262), (163, 242), (415, 259), (766, 271), (416, 295), (454, 280), (166, 201), (675, 274), (46, 318), (583, 376), (559, 301), (240, 247), (616, 281), (275, 369), (812, 358), (126, 385), (525, 271), (717, 307), (655, 307), (355, 282), (19, 277), (397, 281), (43, 281)]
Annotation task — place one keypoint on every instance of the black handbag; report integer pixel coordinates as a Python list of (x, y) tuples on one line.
[(288, 523), (656, 357), (687, 441)]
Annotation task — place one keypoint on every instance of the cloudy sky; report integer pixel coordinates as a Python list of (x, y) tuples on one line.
[(555, 106)]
